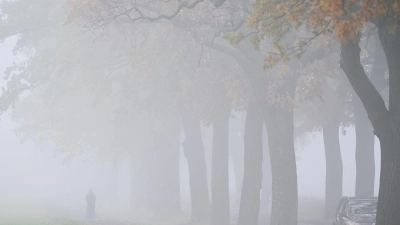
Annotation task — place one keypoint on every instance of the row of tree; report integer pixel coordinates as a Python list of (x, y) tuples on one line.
[(130, 70)]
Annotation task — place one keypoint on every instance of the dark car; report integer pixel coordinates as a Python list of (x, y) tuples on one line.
[(356, 211)]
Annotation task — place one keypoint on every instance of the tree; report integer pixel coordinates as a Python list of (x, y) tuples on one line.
[(284, 184), (47, 71), (236, 148), (365, 138), (252, 180), (211, 96), (345, 19), (163, 78), (326, 108)]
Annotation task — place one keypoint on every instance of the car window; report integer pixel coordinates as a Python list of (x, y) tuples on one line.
[(363, 206)]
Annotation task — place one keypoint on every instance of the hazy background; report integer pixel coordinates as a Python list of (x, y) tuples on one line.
[(35, 173)]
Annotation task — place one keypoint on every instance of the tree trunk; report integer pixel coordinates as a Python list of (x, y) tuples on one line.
[(220, 168), (279, 123), (365, 155), (389, 194), (143, 162), (150, 167), (388, 132), (113, 185), (143, 181), (266, 179), (167, 170), (194, 153), (252, 178), (334, 168), (236, 145), (138, 182)]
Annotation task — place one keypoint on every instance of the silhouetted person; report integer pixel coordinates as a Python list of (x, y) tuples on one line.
[(90, 208)]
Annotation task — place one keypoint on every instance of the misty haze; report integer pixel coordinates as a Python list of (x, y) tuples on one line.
[(217, 112)]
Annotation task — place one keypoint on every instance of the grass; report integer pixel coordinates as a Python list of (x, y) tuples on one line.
[(26, 221), (59, 221), (311, 208)]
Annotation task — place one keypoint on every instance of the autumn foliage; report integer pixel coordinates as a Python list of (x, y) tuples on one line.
[(274, 19)]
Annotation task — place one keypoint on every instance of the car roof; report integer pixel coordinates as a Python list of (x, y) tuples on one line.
[(360, 198)]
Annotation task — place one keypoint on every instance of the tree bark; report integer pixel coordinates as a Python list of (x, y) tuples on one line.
[(389, 196), (279, 123), (194, 153), (389, 192), (334, 168), (252, 178), (220, 168), (365, 155), (266, 179)]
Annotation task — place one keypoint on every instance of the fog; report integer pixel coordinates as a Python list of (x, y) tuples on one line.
[(40, 182), (38, 172), (192, 112)]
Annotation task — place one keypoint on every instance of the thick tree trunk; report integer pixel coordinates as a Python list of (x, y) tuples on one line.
[(142, 164), (389, 133), (365, 155), (138, 182), (389, 194), (194, 153), (220, 168), (334, 168), (167, 170), (279, 123), (236, 146), (151, 180), (252, 178), (113, 185), (143, 181), (266, 179)]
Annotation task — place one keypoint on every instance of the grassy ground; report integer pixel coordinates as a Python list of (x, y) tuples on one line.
[(34, 212), (64, 222), (311, 208), (38, 221)]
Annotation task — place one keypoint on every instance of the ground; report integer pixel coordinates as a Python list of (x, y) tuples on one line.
[(27, 211), (182, 221), (62, 222)]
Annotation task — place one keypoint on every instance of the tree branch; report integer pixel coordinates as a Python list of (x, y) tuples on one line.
[(370, 97)]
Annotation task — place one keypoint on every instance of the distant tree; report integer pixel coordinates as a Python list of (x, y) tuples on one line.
[(65, 69), (327, 112), (278, 117), (252, 180), (162, 81)]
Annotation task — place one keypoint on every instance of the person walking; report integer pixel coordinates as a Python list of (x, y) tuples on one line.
[(90, 205)]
